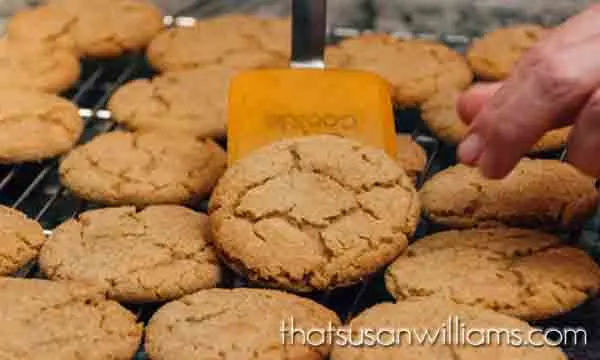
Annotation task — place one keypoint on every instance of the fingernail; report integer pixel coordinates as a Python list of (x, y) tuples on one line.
[(470, 149)]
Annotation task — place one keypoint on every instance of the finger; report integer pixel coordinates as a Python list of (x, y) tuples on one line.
[(472, 101), (584, 143)]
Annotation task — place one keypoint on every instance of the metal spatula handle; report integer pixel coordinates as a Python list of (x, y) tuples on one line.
[(309, 27)]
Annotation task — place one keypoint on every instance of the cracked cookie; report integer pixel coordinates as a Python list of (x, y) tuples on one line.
[(46, 320), (156, 254), (523, 273), (428, 315), (494, 55), (192, 101), (35, 126), (546, 194), (442, 118), (120, 168), (94, 28), (410, 156), (236, 324), (21, 237), (233, 41), (313, 213), (415, 69)]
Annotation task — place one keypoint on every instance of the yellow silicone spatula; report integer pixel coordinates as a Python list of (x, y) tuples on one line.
[(270, 105)]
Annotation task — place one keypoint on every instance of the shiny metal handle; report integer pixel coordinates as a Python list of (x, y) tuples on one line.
[(309, 27)]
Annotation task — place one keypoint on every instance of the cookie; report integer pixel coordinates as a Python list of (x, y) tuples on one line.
[(545, 194), (494, 55), (441, 116), (46, 320), (36, 66), (121, 168), (236, 324), (21, 237), (411, 156), (522, 273), (156, 254), (415, 69), (313, 213), (192, 102), (427, 316), (36, 126), (90, 28), (232, 41)]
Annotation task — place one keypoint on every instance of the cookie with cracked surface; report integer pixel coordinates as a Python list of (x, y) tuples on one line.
[(91, 28), (233, 41), (21, 237), (546, 194), (47, 320), (523, 273), (36, 67), (410, 156), (121, 168), (429, 315), (156, 254), (415, 69), (193, 102), (236, 324), (35, 126), (441, 116), (313, 213)]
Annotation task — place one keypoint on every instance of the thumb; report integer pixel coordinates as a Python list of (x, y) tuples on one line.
[(472, 101)]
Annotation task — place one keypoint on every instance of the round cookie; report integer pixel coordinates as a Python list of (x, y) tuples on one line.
[(522, 273), (410, 156), (36, 66), (120, 168), (46, 320), (21, 237), (232, 41), (95, 28), (427, 315), (545, 194), (157, 254), (415, 69), (236, 324), (36, 126), (494, 55), (441, 116), (313, 213), (191, 102)]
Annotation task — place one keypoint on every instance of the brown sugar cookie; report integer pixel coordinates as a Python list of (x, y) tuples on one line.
[(411, 156), (538, 193), (94, 28), (36, 66), (191, 102), (415, 69), (121, 168), (313, 213), (494, 55), (46, 320), (522, 273), (236, 324), (428, 315), (36, 126), (232, 41), (156, 254), (21, 240)]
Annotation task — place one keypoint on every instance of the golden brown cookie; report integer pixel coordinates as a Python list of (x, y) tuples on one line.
[(441, 116), (411, 156), (236, 324), (46, 320), (21, 240), (36, 66), (494, 55), (156, 254), (192, 102), (415, 69), (121, 168), (36, 126), (432, 316), (95, 28), (522, 273), (313, 213), (537, 194), (232, 41)]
